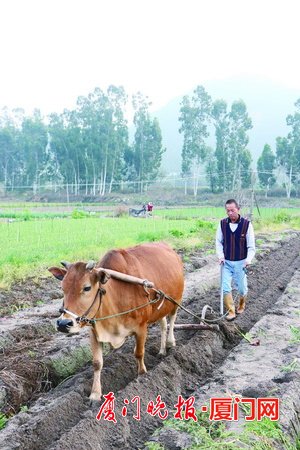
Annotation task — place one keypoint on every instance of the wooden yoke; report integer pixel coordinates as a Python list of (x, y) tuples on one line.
[(124, 277)]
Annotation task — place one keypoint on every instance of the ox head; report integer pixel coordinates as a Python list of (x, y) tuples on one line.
[(80, 283)]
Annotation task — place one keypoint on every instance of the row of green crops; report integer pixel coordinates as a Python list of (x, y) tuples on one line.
[(58, 212), (217, 213), (37, 211), (264, 218)]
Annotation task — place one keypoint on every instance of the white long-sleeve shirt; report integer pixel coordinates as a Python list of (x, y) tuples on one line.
[(250, 240)]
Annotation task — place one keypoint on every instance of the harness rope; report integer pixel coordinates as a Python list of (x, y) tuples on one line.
[(155, 300), (188, 311), (160, 296)]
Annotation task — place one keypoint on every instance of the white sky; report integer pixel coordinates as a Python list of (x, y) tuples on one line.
[(52, 51)]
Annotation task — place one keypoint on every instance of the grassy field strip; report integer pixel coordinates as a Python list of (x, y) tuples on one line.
[(29, 246), (54, 211), (33, 245), (210, 213)]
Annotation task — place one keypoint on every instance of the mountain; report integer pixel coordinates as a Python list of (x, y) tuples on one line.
[(268, 105)]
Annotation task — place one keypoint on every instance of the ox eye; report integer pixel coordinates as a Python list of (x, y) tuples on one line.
[(87, 288)]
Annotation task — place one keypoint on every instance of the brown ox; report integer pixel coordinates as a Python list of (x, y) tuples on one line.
[(82, 286)]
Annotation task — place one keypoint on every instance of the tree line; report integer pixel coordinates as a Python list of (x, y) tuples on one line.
[(228, 164), (87, 148)]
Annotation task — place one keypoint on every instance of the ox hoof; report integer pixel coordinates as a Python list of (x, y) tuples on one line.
[(171, 344), (162, 353), (142, 371), (95, 397)]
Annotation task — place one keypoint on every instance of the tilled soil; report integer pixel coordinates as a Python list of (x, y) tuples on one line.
[(63, 418)]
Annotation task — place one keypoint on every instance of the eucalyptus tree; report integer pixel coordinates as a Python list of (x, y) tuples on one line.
[(293, 121), (105, 136), (221, 122), (94, 122), (194, 116), (51, 172), (239, 156), (212, 169), (11, 151), (58, 136), (147, 147), (288, 151), (119, 136), (34, 141), (66, 147), (266, 165), (7, 160)]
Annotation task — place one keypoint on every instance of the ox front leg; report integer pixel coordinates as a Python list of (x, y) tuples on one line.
[(139, 351), (97, 350), (171, 338), (163, 337)]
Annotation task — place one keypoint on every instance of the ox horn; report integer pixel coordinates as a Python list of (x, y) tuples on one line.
[(90, 265), (66, 264)]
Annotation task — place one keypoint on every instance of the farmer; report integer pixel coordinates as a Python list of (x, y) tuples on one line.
[(149, 208), (235, 246)]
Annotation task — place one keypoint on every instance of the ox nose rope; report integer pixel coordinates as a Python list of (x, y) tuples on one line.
[(84, 319)]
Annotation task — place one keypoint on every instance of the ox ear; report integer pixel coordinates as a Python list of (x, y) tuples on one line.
[(103, 276), (58, 272)]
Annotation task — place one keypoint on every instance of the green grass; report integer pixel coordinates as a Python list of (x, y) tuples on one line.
[(36, 241), (293, 366), (29, 215), (3, 420), (29, 247), (273, 214), (295, 331), (190, 213), (206, 434)]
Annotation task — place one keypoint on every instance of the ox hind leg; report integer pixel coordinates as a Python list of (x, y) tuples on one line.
[(163, 336), (139, 351), (171, 338), (97, 350)]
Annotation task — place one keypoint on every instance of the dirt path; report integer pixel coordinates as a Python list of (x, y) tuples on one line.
[(63, 418)]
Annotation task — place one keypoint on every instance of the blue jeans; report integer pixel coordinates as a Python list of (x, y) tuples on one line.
[(234, 270)]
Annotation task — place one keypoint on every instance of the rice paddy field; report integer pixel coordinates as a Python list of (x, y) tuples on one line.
[(33, 238)]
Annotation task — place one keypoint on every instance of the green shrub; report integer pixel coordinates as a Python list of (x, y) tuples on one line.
[(295, 334), (77, 214), (150, 236), (204, 224), (176, 233), (282, 217)]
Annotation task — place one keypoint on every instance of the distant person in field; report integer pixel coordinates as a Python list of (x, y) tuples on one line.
[(235, 247), (149, 208)]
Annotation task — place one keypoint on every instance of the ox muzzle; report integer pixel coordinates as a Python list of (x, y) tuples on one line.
[(64, 325)]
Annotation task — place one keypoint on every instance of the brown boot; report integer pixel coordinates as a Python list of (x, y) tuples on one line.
[(242, 304), (228, 300)]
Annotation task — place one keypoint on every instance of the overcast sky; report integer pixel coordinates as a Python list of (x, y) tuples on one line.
[(52, 51)]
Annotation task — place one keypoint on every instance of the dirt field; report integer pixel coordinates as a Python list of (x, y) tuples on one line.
[(37, 364)]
